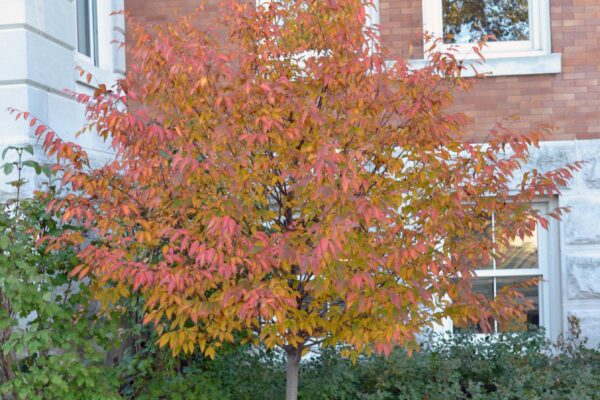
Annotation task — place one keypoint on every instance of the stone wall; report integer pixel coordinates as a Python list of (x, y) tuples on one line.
[(578, 233), (38, 42)]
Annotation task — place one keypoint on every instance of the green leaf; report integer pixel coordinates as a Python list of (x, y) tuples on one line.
[(8, 168), (46, 170), (6, 150), (17, 183), (47, 296), (29, 149), (23, 393), (4, 242), (33, 164)]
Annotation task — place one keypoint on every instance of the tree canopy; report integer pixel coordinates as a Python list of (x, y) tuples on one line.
[(293, 185)]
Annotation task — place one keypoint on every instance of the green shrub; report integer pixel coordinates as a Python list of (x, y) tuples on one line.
[(519, 366), (52, 344), (508, 367)]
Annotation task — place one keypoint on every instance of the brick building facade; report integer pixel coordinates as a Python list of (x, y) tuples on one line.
[(569, 100)]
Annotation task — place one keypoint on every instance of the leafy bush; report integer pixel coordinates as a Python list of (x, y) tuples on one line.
[(153, 373), (507, 367), (52, 343)]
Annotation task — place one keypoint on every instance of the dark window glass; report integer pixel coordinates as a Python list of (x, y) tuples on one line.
[(87, 29), (530, 293), (469, 21), (489, 287), (83, 27), (484, 286)]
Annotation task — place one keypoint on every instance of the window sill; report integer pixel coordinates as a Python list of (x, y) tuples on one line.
[(509, 66), (99, 74)]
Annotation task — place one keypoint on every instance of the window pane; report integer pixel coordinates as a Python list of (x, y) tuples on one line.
[(488, 239), (520, 253), (484, 286), (468, 21), (84, 42), (530, 293), (94, 30)]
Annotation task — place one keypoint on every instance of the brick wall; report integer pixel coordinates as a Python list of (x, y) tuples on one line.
[(161, 11), (401, 26), (570, 101)]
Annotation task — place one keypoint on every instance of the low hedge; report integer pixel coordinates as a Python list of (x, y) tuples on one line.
[(506, 367)]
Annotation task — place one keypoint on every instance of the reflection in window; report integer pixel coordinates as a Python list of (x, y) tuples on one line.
[(490, 287), (521, 253), (530, 294), (469, 21), (519, 260)]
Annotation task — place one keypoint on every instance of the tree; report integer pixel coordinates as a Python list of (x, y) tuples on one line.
[(290, 187)]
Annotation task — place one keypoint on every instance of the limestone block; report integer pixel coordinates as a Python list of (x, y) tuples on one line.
[(548, 157), (590, 325), (582, 224), (591, 170), (583, 277), (552, 156)]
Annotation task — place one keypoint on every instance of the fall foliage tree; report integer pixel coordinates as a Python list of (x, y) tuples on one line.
[(292, 187)]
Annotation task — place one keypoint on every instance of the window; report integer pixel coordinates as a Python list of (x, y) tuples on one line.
[(521, 261), (498, 21), (87, 29), (509, 26), (517, 33)]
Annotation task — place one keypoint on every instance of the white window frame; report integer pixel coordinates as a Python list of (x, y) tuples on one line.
[(110, 62), (539, 29), (502, 58), (93, 32)]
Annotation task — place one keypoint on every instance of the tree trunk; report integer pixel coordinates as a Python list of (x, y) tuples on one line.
[(5, 369), (293, 369), (6, 360), (6, 372)]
